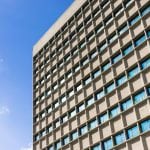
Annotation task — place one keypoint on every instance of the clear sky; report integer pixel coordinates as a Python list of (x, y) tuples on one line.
[(22, 23)]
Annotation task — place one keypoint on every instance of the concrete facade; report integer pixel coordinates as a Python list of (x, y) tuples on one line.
[(91, 78)]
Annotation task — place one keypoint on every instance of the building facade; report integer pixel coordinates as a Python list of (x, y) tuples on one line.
[(91, 78)]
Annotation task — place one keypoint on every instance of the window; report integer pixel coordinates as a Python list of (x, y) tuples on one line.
[(69, 74), (64, 118), (49, 109), (62, 81), (96, 147), (65, 140), (96, 73), (51, 148), (121, 80), (87, 81), (74, 135), (76, 68), (72, 113), (57, 145), (145, 125), (103, 118), (79, 87), (71, 93), (114, 112), (140, 40), (128, 49), (49, 129), (37, 137), (83, 130), (110, 87), (148, 90), (116, 58), (55, 87), (108, 144), (48, 92), (108, 20), (85, 61), (133, 72), (57, 123), (103, 46), (112, 38), (63, 99), (139, 97), (145, 63), (56, 104), (43, 114), (43, 133), (106, 66), (145, 11), (82, 44), (118, 11), (81, 107), (120, 138), (94, 54), (93, 124), (90, 37), (127, 3), (99, 28), (126, 105), (90, 101), (134, 20), (133, 132), (148, 33), (99, 95)]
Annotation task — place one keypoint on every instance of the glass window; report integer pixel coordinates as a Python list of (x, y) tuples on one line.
[(83, 130), (72, 113), (37, 137), (43, 133), (90, 101), (106, 66), (120, 138), (116, 58), (103, 118), (87, 81), (81, 107), (127, 3), (114, 112), (133, 72), (63, 99), (108, 20), (70, 93), (145, 63), (49, 109), (93, 124), (43, 114), (148, 33), (99, 28), (108, 144), (56, 104), (57, 145), (127, 50), (50, 128), (145, 125), (57, 123), (65, 140), (96, 73), (79, 87), (103, 46), (121, 80), (74, 135), (85, 61), (133, 132), (118, 11), (94, 54), (145, 11), (100, 94), (96, 147), (82, 44), (64, 118), (51, 148), (139, 97), (62, 81), (134, 20), (140, 40), (148, 90), (77, 68), (112, 38), (126, 105), (69, 74), (110, 87)]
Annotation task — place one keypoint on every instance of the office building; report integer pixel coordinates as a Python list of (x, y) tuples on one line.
[(91, 78)]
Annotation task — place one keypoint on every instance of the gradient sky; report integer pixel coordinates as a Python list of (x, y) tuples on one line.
[(22, 23)]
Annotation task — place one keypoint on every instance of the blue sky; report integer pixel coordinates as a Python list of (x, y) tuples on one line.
[(22, 23)]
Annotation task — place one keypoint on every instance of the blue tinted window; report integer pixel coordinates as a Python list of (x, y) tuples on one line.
[(140, 40), (145, 63), (114, 112), (148, 90), (106, 66), (116, 58), (96, 147), (83, 130), (126, 105), (145, 11), (99, 95), (123, 29), (90, 101), (120, 138), (74, 135), (103, 118), (145, 125), (93, 124), (132, 132), (133, 72), (148, 34), (66, 140), (57, 145), (121, 80), (108, 144), (134, 20), (51, 148), (110, 87), (128, 50), (139, 97), (103, 46), (96, 73)]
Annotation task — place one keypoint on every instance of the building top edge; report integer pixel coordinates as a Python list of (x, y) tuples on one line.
[(57, 25)]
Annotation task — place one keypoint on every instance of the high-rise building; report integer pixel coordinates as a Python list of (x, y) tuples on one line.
[(91, 78)]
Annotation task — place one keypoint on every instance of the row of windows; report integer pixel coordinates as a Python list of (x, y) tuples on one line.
[(101, 48), (94, 14), (105, 90), (98, 29), (123, 136), (113, 112), (104, 67), (109, 143)]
